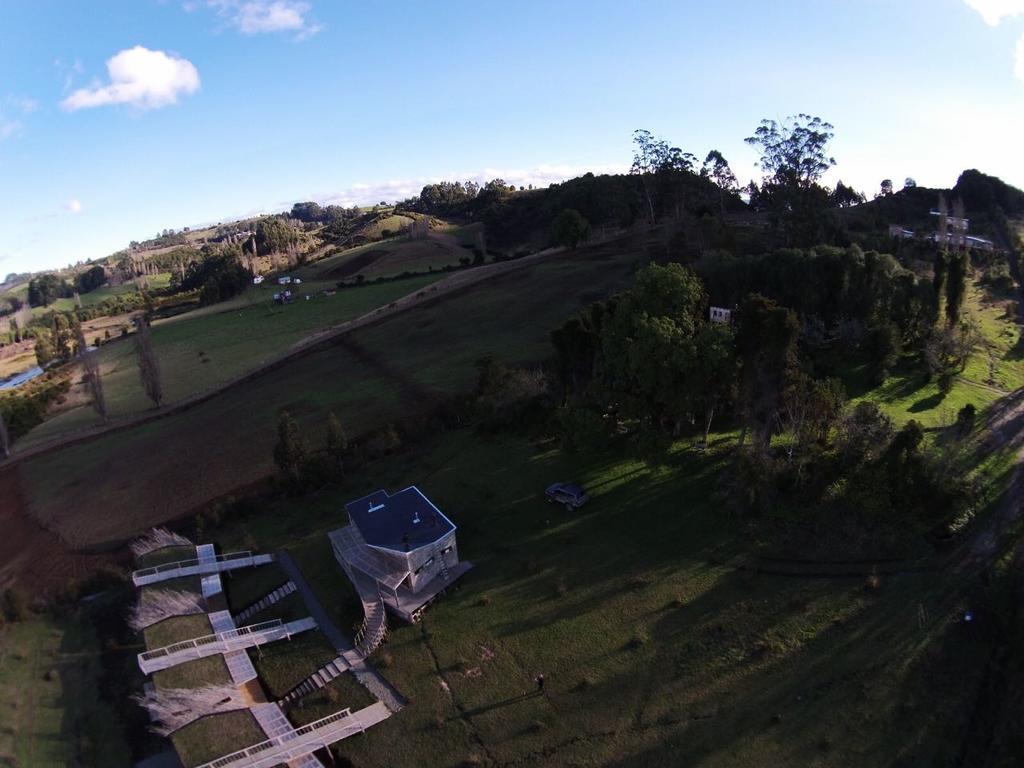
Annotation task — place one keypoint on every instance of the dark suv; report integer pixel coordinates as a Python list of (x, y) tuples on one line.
[(569, 494)]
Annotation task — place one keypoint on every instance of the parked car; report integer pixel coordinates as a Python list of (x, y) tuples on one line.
[(571, 495)]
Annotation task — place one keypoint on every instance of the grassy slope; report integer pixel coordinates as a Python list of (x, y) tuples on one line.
[(386, 259), (22, 361), (203, 740), (201, 352), (996, 367), (50, 713), (230, 438), (104, 292), (652, 646), (177, 629)]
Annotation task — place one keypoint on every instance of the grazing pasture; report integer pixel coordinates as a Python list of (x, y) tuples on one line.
[(368, 378), (199, 353), (51, 714), (636, 608)]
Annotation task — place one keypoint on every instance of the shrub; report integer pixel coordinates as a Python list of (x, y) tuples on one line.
[(14, 604), (640, 639)]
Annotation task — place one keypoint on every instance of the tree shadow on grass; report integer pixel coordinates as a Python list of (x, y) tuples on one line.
[(927, 403)]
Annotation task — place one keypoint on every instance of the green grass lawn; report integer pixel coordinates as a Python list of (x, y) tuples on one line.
[(996, 365), (22, 361), (285, 664), (50, 710), (166, 555), (343, 692), (210, 670), (176, 629), (245, 586), (373, 376), (105, 292), (215, 736), (386, 259), (200, 352), (652, 645)]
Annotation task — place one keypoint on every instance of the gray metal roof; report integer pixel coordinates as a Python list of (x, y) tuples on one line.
[(402, 522)]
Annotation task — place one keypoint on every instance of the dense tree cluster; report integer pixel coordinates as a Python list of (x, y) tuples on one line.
[(650, 362), (46, 289), (219, 275), (91, 279), (310, 212), (274, 235), (570, 229)]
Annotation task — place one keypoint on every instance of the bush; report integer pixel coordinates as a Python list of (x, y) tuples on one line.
[(14, 604)]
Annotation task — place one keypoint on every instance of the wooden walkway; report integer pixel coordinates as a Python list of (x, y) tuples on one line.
[(198, 566), (293, 745), (238, 662), (224, 642)]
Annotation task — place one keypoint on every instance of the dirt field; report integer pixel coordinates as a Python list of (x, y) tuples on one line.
[(29, 552)]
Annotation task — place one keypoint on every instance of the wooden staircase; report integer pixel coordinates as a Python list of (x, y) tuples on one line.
[(266, 601), (316, 681)]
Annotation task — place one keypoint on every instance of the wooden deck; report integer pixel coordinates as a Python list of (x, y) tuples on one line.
[(409, 603)]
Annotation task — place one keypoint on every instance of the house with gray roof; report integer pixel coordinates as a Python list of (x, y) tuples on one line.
[(401, 546)]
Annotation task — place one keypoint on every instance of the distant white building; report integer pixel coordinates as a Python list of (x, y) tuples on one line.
[(284, 280), (720, 315), (900, 233), (257, 280)]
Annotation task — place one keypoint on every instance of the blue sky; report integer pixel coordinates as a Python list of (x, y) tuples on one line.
[(119, 119)]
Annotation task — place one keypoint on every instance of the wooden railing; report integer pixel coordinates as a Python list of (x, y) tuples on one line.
[(275, 750)]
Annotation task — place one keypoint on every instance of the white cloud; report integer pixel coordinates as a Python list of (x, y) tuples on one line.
[(399, 189), (67, 72), (994, 11), (140, 77), (74, 205), (255, 17)]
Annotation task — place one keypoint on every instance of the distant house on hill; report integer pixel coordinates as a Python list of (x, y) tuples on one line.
[(402, 544), (720, 315), (952, 230)]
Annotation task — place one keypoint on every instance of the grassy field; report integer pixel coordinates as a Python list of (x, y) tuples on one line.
[(653, 645), (23, 359), (373, 376), (996, 368), (204, 740), (50, 711), (201, 352), (387, 259), (105, 292), (283, 665), (177, 629)]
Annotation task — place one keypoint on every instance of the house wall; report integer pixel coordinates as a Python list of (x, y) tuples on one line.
[(425, 562)]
